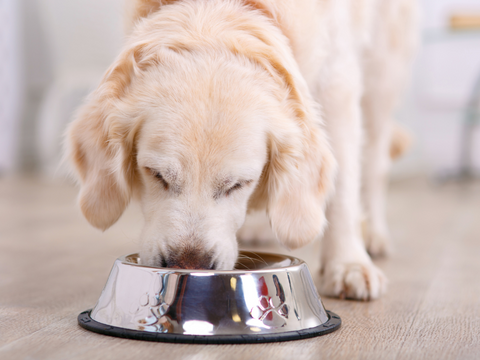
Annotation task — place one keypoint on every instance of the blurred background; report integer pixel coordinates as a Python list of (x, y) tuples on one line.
[(53, 53)]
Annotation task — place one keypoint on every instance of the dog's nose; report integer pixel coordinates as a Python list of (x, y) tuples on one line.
[(191, 259)]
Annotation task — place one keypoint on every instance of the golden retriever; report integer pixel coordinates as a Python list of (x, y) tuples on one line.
[(218, 107)]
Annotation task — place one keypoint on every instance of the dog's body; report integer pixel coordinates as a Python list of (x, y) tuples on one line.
[(219, 106)]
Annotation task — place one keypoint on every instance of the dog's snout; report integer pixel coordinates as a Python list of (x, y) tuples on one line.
[(190, 258)]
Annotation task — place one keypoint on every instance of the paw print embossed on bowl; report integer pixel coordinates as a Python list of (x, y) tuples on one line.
[(272, 311)]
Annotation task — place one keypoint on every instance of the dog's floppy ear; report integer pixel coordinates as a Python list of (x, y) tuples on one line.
[(100, 144), (299, 176), (299, 179)]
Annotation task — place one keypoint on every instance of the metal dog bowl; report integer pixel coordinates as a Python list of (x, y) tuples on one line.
[(268, 297)]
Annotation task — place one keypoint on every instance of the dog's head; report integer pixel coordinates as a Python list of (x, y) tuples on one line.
[(199, 135)]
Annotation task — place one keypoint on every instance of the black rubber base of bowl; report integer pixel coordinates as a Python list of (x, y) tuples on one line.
[(85, 321)]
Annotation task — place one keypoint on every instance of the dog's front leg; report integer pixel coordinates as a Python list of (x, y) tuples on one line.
[(346, 268)]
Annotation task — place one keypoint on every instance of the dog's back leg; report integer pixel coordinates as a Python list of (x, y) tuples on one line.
[(385, 64)]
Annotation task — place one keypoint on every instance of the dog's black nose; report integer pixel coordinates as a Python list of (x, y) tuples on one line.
[(189, 258)]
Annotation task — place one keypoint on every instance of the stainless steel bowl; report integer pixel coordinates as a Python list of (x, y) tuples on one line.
[(268, 297)]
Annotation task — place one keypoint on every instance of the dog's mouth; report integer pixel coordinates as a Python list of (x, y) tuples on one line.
[(245, 261), (187, 268), (165, 264), (188, 259)]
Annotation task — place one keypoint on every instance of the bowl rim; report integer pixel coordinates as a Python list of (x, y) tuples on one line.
[(333, 323), (296, 263)]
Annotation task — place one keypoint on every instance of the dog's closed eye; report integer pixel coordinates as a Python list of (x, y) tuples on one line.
[(233, 188), (238, 185), (159, 177)]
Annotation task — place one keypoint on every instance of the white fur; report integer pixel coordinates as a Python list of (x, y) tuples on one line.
[(264, 93)]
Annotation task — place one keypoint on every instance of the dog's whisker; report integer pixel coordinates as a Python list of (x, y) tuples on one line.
[(253, 260)]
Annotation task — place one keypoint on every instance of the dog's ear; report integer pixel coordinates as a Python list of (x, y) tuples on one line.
[(100, 144), (299, 179), (299, 176)]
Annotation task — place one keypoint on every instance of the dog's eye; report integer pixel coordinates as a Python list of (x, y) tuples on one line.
[(233, 188), (160, 178)]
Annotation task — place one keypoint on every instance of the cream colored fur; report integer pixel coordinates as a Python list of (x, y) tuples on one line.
[(220, 106)]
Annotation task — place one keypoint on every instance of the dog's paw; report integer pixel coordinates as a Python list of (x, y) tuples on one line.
[(358, 281), (256, 230)]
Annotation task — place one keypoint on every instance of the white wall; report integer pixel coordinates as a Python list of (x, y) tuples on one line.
[(11, 84), (444, 73), (68, 44)]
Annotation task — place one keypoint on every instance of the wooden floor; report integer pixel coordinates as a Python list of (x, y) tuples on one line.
[(53, 265)]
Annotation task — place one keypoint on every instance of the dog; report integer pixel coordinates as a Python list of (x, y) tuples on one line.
[(216, 108)]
